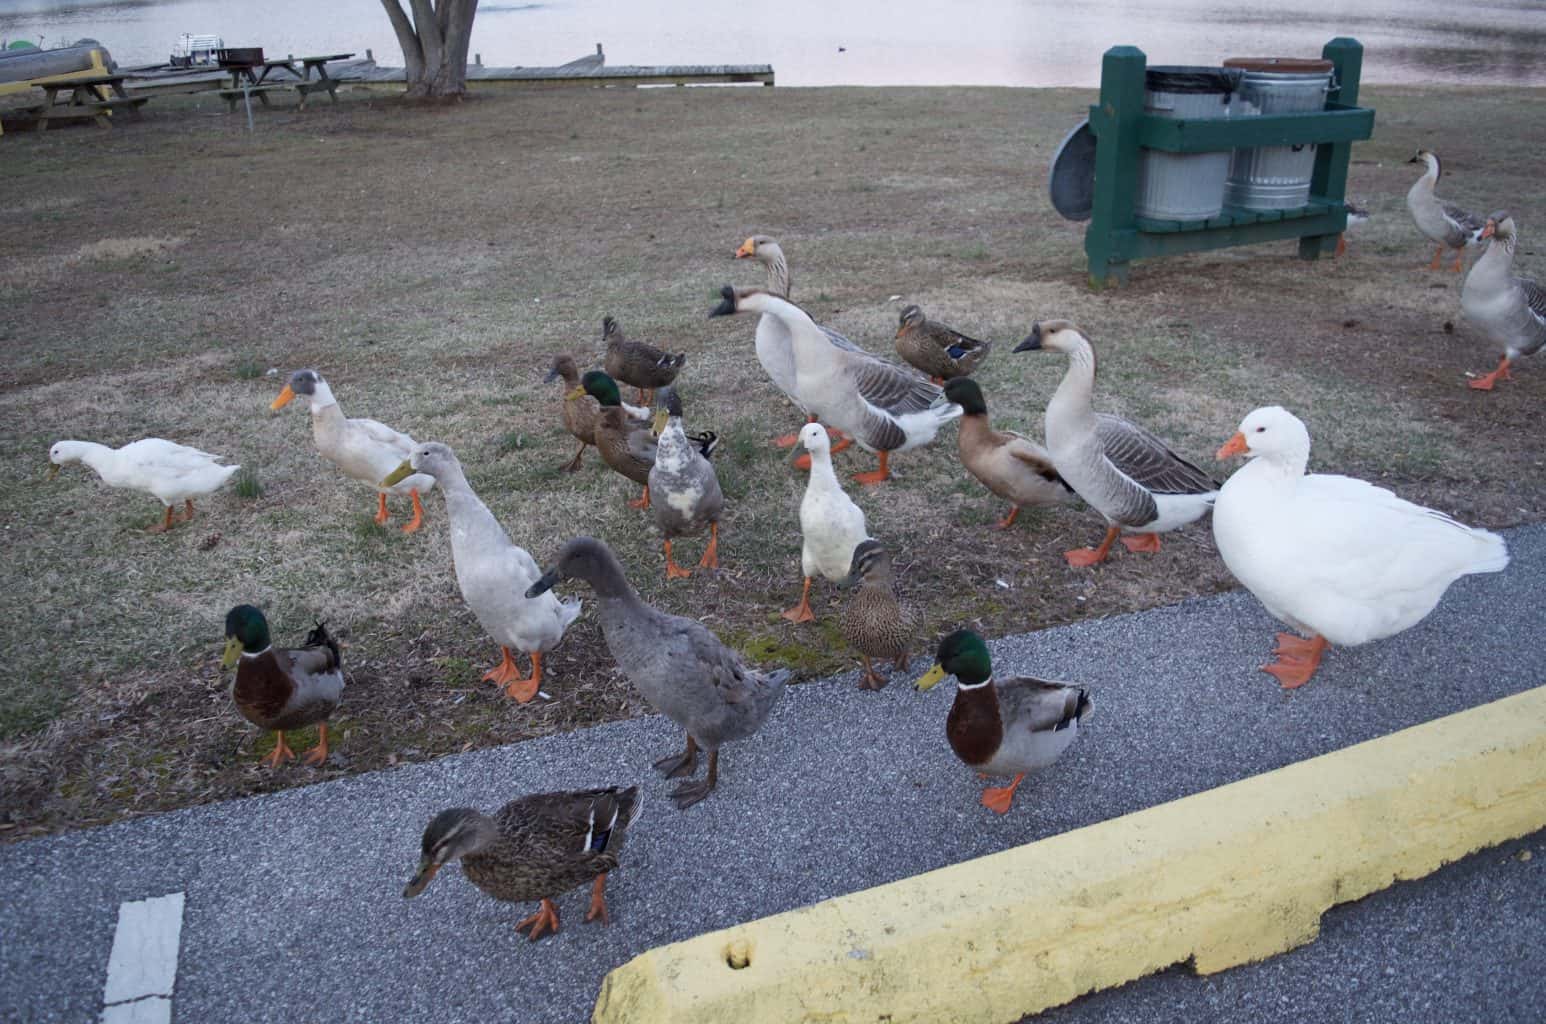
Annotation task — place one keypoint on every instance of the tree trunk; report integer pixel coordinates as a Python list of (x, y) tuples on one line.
[(435, 43)]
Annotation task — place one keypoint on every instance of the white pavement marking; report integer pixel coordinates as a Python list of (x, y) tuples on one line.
[(143, 962)]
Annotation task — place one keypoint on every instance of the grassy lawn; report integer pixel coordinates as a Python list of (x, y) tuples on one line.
[(430, 262)]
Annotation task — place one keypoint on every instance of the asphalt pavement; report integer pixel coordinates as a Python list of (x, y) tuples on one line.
[(291, 907)]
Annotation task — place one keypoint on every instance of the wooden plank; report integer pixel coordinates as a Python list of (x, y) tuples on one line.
[(1328, 181), (1115, 124), (1147, 246), (1210, 135)]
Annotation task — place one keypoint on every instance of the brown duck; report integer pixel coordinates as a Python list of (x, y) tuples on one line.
[(581, 411), (282, 689), (875, 624), (939, 351), (1015, 468), (534, 848), (638, 363)]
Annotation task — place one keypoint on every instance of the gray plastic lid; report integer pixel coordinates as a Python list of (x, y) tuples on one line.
[(1175, 78), (1071, 182)]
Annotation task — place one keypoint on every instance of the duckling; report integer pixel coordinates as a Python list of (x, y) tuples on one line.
[(581, 411), (679, 666), (941, 352), (875, 623), (686, 487), (624, 444), (534, 848), (282, 689), (638, 363), (1004, 726), (831, 525), (1013, 467), (172, 472)]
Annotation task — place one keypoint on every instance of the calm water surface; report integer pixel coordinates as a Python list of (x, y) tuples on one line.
[(857, 42)]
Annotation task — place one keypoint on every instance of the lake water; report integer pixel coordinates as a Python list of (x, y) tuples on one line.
[(857, 42)]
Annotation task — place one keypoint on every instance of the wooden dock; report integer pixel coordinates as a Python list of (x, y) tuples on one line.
[(622, 76)]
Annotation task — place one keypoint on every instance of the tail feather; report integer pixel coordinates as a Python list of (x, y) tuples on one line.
[(320, 637), (1494, 554)]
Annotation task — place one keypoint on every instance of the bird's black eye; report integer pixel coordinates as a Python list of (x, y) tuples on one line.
[(1260, 429)]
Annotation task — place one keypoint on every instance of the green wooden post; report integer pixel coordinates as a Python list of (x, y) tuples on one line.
[(1329, 180), (1115, 124)]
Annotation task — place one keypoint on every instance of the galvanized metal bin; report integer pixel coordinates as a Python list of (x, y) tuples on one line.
[(1275, 177), (1184, 186)]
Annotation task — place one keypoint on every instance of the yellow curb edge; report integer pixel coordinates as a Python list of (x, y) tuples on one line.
[(1221, 878)]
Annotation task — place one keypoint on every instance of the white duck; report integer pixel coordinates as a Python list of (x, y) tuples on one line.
[(884, 407), (1120, 469), (831, 525), (1335, 558), (493, 573), (1445, 224), (364, 449), (172, 472), (1510, 310)]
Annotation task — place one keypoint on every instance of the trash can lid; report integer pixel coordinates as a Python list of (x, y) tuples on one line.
[(1072, 180), (1286, 65), (1177, 78)]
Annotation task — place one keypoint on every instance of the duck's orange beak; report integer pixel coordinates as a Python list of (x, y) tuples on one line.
[(284, 398), (1490, 229), (747, 250), (1234, 446)]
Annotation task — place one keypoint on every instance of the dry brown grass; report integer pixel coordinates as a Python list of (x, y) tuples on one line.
[(429, 262)]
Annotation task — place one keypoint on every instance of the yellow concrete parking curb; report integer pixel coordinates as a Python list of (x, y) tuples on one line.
[(1224, 877)]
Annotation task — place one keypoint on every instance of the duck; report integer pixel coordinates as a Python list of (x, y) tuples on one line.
[(686, 489), (1448, 226), (1120, 469), (1335, 558), (283, 689), (625, 444), (831, 525), (679, 666), (535, 847), (883, 407), (1510, 310), (492, 572), (874, 622), (364, 449), (773, 350), (998, 726), (638, 363), (1015, 468), (1357, 215), (939, 351), (174, 473), (581, 411)]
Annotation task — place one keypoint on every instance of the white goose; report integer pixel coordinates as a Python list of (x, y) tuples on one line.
[(831, 525), (1335, 558), (884, 407), (1120, 469), (172, 472), (1448, 226), (1510, 310)]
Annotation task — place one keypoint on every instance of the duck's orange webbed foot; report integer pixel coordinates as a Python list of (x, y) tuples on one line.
[(674, 571), (710, 559), (802, 611), (1298, 659), (281, 751), (1490, 380), (1142, 542), (642, 501), (877, 475), (1083, 558), (418, 514), (998, 798), (598, 901), (1009, 520), (318, 754), (545, 919), (381, 510)]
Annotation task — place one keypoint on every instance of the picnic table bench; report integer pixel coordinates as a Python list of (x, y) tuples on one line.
[(306, 75), (95, 98)]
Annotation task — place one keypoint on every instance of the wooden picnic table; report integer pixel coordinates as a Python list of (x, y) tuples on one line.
[(95, 97), (252, 79)]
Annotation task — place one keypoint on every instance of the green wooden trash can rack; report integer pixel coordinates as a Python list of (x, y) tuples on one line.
[(1117, 236)]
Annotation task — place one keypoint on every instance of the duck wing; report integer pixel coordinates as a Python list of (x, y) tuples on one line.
[(1033, 455), (839, 341), (585, 826), (1535, 298), (891, 389), (1463, 220), (1148, 461), (382, 434), (1039, 705)]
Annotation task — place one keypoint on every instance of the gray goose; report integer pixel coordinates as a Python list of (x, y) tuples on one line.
[(1510, 310), (1447, 225), (686, 490), (1120, 469)]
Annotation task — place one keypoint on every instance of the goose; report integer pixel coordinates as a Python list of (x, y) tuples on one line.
[(1447, 225), (1121, 470), (686, 489), (1510, 310), (638, 363), (581, 411), (831, 525), (282, 689), (174, 473), (534, 848), (676, 663), (364, 449), (942, 352), (493, 572), (1338, 559), (875, 623), (1015, 468), (883, 407)]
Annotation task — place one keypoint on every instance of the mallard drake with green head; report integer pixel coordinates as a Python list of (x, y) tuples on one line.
[(1003, 726), (536, 847), (626, 445), (1015, 468), (943, 353), (283, 689), (687, 494), (875, 623), (580, 411), (638, 363)]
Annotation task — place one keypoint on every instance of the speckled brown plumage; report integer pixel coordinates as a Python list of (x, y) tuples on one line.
[(875, 623), (637, 363), (926, 344)]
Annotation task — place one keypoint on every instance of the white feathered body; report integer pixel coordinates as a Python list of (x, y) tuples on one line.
[(364, 449), (831, 525), (172, 472)]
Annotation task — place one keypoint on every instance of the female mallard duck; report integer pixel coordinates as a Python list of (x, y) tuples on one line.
[(1510, 310), (283, 689), (1003, 726), (493, 573), (363, 449), (1121, 470), (534, 848), (687, 495), (939, 351), (1448, 226), (625, 444), (831, 525), (1333, 557), (676, 663), (172, 472), (883, 407), (638, 363), (1013, 467), (875, 624), (580, 411), (773, 349)]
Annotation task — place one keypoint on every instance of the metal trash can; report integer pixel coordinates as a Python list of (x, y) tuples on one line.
[(1184, 186), (1275, 177)]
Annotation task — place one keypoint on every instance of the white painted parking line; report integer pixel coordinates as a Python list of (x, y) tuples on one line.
[(142, 968)]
